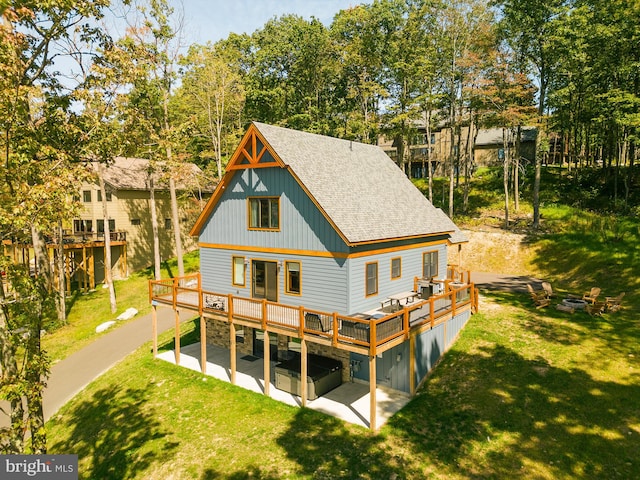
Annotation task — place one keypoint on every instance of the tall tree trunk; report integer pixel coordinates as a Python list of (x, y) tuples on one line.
[(108, 277), (176, 226), (154, 228), (9, 376), (33, 374), (36, 383), (62, 311), (516, 171), (505, 178), (429, 160)]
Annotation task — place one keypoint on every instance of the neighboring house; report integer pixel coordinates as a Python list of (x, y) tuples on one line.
[(128, 208), (316, 245), (488, 149)]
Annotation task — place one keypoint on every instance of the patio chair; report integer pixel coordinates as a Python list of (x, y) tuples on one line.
[(546, 286), (540, 301), (612, 304), (537, 293), (595, 308), (313, 321), (591, 295)]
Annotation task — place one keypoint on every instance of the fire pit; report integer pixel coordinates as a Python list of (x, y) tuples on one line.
[(576, 303)]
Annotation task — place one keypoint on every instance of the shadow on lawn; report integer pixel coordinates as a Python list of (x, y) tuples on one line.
[(547, 421), (325, 447), (115, 430)]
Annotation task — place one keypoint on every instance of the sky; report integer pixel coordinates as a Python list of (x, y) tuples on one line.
[(213, 20)]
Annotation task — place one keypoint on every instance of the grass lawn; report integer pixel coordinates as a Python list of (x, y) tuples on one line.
[(86, 311), (537, 394), (523, 393)]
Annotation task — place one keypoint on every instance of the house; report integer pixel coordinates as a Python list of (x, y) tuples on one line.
[(315, 247), (488, 148), (128, 208)]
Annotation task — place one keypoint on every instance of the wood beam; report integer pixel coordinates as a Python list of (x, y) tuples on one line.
[(232, 352), (412, 364), (154, 329), (303, 371), (372, 393), (267, 363), (203, 345), (177, 336)]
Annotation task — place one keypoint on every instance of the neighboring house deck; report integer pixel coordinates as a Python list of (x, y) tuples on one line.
[(127, 184)]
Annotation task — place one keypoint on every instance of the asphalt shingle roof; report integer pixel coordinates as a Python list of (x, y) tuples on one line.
[(128, 173), (358, 186)]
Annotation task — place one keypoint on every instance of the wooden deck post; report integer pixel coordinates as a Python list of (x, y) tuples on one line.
[(154, 328), (177, 336), (303, 371), (92, 269), (372, 393), (232, 352), (85, 276), (267, 363), (125, 269), (203, 344), (412, 364)]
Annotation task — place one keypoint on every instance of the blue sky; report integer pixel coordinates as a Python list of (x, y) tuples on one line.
[(212, 20)]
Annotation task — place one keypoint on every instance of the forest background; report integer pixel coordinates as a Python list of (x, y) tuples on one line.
[(568, 67)]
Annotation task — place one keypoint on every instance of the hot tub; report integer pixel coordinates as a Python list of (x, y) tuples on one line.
[(323, 374)]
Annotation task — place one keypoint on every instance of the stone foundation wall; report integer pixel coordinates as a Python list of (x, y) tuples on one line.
[(218, 333), (331, 352)]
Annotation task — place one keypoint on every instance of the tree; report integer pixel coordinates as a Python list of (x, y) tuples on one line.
[(212, 95), (528, 27), (37, 191), (147, 58)]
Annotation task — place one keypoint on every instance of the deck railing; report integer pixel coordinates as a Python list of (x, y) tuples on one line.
[(186, 292)]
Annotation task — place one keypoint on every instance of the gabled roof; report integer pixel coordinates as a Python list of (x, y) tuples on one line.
[(128, 173), (357, 187), (493, 136)]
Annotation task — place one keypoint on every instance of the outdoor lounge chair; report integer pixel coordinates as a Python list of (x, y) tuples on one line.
[(313, 321), (612, 304), (591, 295), (546, 286), (537, 293), (540, 300), (595, 308)]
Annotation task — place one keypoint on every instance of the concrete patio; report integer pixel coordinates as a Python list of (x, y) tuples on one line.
[(349, 402)]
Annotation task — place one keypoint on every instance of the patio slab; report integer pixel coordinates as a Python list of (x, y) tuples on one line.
[(349, 402)]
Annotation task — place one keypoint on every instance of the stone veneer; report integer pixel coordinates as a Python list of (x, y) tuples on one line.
[(218, 334)]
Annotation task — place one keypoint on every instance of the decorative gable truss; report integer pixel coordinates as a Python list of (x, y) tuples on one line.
[(251, 153)]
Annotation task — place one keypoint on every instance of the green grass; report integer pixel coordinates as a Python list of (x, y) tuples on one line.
[(523, 393), (527, 393), (87, 311)]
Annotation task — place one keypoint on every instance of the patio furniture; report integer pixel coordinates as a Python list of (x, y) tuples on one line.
[(546, 286), (575, 303), (539, 299), (612, 304), (313, 321), (537, 293), (591, 295), (595, 308)]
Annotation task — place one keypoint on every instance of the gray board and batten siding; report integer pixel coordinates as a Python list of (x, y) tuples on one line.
[(392, 366), (337, 200), (328, 280)]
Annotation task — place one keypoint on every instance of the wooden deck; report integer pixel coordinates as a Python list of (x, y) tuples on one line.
[(369, 334)]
